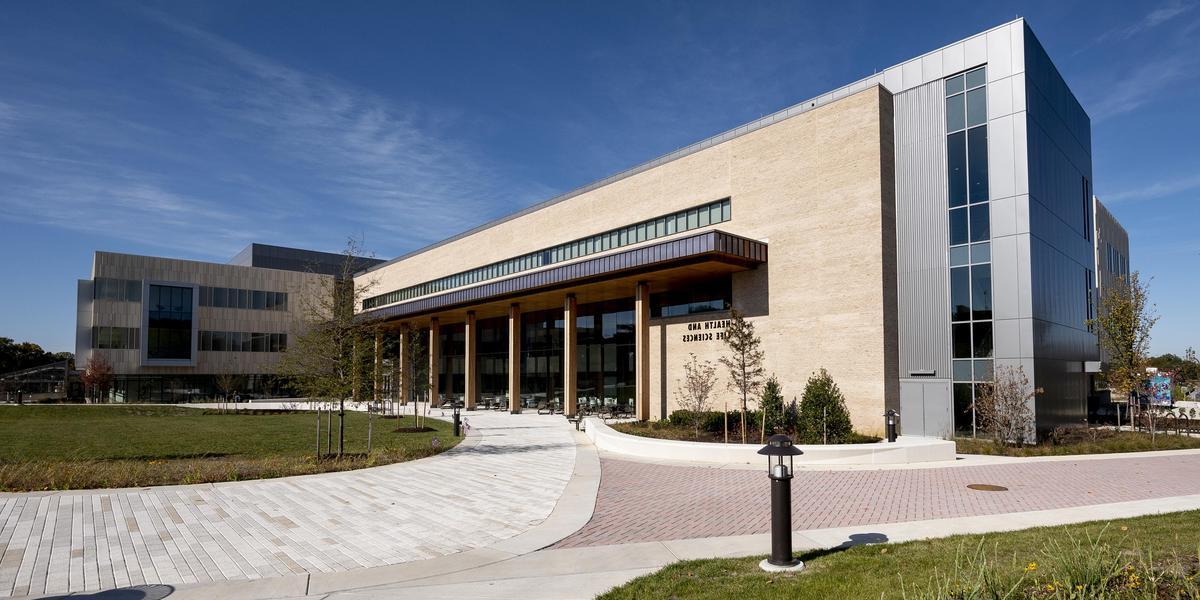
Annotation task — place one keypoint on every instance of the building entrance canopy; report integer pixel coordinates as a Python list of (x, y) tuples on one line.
[(568, 303)]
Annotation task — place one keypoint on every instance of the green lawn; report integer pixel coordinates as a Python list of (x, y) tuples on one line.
[(70, 447), (1082, 441), (1145, 557)]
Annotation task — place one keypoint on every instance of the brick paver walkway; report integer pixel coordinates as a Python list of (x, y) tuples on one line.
[(78, 541), (640, 502)]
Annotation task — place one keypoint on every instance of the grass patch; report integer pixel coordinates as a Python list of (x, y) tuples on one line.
[(1144, 557), (1078, 440), (80, 447), (665, 430)]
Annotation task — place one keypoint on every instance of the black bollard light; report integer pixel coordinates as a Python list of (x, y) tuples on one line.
[(780, 446), (457, 420), (891, 424)]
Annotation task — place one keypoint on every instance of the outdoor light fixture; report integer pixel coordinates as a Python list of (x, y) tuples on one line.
[(891, 424), (457, 419), (780, 446)]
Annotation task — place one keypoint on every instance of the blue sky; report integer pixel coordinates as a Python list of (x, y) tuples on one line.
[(192, 129)]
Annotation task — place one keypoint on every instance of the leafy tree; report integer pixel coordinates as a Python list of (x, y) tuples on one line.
[(695, 390), (823, 414), (744, 361), (14, 356), (1004, 407), (772, 408), (322, 359), (1124, 322), (97, 377)]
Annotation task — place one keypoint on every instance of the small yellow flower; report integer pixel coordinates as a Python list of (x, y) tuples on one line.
[(1031, 567), (884, 551), (1124, 528), (1049, 587)]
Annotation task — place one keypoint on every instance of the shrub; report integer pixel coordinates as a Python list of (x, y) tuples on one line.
[(772, 406), (823, 415)]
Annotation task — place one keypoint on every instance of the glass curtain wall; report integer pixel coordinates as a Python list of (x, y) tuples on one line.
[(451, 364), (541, 360), (169, 335), (970, 242), (492, 362), (605, 374)]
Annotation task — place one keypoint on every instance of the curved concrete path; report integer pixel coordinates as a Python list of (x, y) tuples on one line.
[(502, 481)]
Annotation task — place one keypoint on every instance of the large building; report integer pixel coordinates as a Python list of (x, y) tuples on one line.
[(169, 327), (908, 232)]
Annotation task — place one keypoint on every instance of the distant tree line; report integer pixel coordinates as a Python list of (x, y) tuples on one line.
[(16, 356)]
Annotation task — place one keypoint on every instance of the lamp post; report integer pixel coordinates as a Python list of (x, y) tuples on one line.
[(891, 415), (780, 446), (457, 420)]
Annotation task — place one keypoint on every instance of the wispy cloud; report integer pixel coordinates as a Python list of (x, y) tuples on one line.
[(1145, 82), (1154, 18), (388, 166), (1158, 189)]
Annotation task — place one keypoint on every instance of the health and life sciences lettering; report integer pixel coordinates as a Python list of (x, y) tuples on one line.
[(701, 332)]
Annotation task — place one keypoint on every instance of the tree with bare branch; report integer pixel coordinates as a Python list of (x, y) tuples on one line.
[(322, 359), (744, 362), (694, 391), (1005, 406)]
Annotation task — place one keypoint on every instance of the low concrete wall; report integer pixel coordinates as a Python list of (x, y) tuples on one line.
[(906, 450)]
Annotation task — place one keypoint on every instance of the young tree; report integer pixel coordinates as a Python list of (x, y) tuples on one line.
[(1005, 407), (823, 414), (744, 361), (695, 389), (772, 408), (227, 384), (416, 362), (97, 376), (1123, 324), (322, 358)]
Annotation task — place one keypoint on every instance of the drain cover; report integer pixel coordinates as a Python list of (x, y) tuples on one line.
[(987, 487)]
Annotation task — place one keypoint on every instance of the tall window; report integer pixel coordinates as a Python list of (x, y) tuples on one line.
[(169, 335), (970, 240)]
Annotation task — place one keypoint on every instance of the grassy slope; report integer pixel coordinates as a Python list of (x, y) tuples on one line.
[(1103, 442), (907, 570), (55, 447)]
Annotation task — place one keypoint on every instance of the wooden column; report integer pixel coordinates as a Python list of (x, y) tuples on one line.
[(404, 384), (514, 358), (378, 395), (470, 374), (570, 357), (641, 349), (434, 363)]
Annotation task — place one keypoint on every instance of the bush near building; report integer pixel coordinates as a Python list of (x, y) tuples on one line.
[(823, 416)]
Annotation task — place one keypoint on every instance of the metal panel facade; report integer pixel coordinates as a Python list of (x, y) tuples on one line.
[(921, 232)]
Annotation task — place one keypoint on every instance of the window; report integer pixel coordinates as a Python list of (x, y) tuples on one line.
[(119, 290), (1089, 299), (1087, 210), (710, 296), (980, 223), (709, 214), (969, 218), (169, 332), (116, 338), (957, 168)]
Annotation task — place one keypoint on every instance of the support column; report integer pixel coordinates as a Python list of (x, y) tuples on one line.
[(470, 375), (434, 363), (641, 349), (514, 358), (378, 395), (404, 385), (570, 357)]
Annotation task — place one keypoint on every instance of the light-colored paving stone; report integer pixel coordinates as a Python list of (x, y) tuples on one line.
[(501, 486)]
